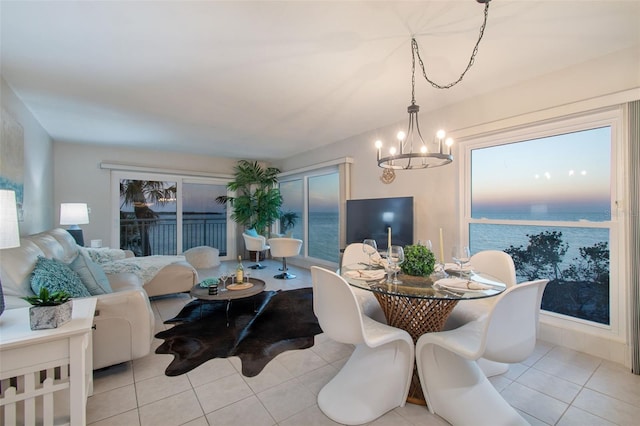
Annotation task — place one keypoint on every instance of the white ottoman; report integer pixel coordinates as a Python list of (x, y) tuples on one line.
[(203, 257)]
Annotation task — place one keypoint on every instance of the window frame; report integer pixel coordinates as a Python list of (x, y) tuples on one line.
[(117, 175), (612, 117), (340, 166)]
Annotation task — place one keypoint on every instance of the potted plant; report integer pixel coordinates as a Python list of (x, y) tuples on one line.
[(418, 261), (49, 310), (257, 202)]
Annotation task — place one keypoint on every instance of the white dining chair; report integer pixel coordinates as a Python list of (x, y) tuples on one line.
[(497, 264), (453, 383), (257, 244), (354, 255), (284, 247), (377, 376)]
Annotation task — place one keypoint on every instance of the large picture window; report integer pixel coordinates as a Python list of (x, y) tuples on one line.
[(545, 197), (313, 198)]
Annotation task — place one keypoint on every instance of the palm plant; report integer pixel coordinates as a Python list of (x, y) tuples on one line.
[(257, 201), (140, 194)]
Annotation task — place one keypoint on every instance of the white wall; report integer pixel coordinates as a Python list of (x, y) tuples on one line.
[(38, 167), (79, 178)]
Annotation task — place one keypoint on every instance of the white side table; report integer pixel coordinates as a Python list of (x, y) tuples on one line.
[(38, 368)]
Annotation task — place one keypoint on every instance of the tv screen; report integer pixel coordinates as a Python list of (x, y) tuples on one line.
[(370, 218)]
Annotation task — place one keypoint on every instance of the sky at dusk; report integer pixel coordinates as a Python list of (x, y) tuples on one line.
[(564, 172)]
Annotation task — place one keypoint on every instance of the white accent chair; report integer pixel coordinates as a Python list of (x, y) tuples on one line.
[(354, 254), (257, 244), (284, 247), (499, 265), (377, 376), (454, 385)]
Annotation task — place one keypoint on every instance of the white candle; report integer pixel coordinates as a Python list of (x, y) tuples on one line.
[(389, 239), (441, 248)]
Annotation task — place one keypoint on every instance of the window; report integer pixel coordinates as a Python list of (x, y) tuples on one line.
[(166, 215), (545, 195), (315, 198)]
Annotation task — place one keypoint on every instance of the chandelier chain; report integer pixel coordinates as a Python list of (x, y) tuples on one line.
[(415, 52)]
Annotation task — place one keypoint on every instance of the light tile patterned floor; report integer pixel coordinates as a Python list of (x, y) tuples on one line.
[(555, 386)]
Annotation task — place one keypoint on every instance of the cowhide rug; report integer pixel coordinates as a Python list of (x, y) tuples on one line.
[(259, 328)]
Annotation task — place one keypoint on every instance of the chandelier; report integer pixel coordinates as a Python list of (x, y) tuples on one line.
[(412, 152)]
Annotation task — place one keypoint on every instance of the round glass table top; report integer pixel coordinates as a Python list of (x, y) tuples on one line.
[(449, 285)]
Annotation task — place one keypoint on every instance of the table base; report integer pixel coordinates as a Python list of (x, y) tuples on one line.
[(417, 316)]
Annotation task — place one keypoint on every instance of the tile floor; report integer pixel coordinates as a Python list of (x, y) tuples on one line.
[(555, 386)]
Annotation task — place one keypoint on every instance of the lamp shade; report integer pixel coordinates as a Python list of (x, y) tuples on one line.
[(9, 232), (74, 214)]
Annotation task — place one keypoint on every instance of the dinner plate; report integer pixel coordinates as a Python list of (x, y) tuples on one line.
[(461, 285), (367, 275)]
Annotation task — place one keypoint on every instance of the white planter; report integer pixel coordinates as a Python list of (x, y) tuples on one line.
[(43, 317)]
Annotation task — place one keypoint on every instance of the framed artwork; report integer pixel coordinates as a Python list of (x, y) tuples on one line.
[(12, 158)]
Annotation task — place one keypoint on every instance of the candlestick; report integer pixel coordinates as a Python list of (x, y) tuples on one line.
[(441, 248), (389, 239)]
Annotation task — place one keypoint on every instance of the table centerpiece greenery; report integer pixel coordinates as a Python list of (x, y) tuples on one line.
[(418, 261)]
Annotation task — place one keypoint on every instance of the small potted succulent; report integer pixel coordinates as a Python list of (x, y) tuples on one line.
[(49, 310), (418, 261)]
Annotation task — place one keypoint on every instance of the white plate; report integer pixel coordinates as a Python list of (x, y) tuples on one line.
[(461, 285), (367, 275)]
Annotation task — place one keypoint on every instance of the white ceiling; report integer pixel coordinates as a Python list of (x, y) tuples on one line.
[(266, 79)]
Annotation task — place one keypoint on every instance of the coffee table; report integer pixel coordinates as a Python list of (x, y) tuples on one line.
[(202, 293)]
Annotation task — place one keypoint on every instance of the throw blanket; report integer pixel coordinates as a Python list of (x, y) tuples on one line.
[(256, 329), (146, 267)]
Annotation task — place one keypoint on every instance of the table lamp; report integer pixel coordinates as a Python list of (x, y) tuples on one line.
[(74, 214), (9, 232)]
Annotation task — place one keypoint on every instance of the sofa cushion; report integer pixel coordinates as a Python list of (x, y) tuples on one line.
[(91, 274), (57, 276)]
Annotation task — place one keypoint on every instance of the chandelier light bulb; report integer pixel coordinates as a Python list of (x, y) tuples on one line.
[(392, 150), (440, 134), (423, 149), (449, 142), (378, 144), (401, 135)]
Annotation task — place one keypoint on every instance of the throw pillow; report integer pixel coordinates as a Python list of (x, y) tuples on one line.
[(91, 274), (251, 232), (56, 276)]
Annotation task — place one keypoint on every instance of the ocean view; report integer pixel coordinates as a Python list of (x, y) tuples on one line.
[(323, 235)]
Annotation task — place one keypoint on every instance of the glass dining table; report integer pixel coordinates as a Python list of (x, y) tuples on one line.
[(422, 304)]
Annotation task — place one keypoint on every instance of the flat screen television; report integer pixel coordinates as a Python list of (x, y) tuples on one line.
[(370, 218)]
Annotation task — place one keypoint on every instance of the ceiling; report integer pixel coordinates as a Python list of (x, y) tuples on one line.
[(266, 79)]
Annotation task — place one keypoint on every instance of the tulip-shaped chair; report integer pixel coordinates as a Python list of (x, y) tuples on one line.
[(499, 265), (353, 255), (454, 385), (377, 376)]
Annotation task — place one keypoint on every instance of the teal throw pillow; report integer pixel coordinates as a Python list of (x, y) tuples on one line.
[(251, 232), (56, 276), (91, 274)]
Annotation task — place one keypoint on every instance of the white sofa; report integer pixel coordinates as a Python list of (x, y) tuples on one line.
[(124, 322)]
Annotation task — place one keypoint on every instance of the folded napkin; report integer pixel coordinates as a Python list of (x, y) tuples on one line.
[(455, 267), (461, 284), (365, 274)]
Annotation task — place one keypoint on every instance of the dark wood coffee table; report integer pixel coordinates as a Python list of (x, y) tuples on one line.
[(202, 293)]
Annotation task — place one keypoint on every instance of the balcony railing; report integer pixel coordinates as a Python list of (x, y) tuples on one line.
[(157, 236)]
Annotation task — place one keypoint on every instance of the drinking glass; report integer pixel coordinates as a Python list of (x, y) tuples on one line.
[(223, 279), (370, 247), (426, 243), (395, 256), (460, 256)]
